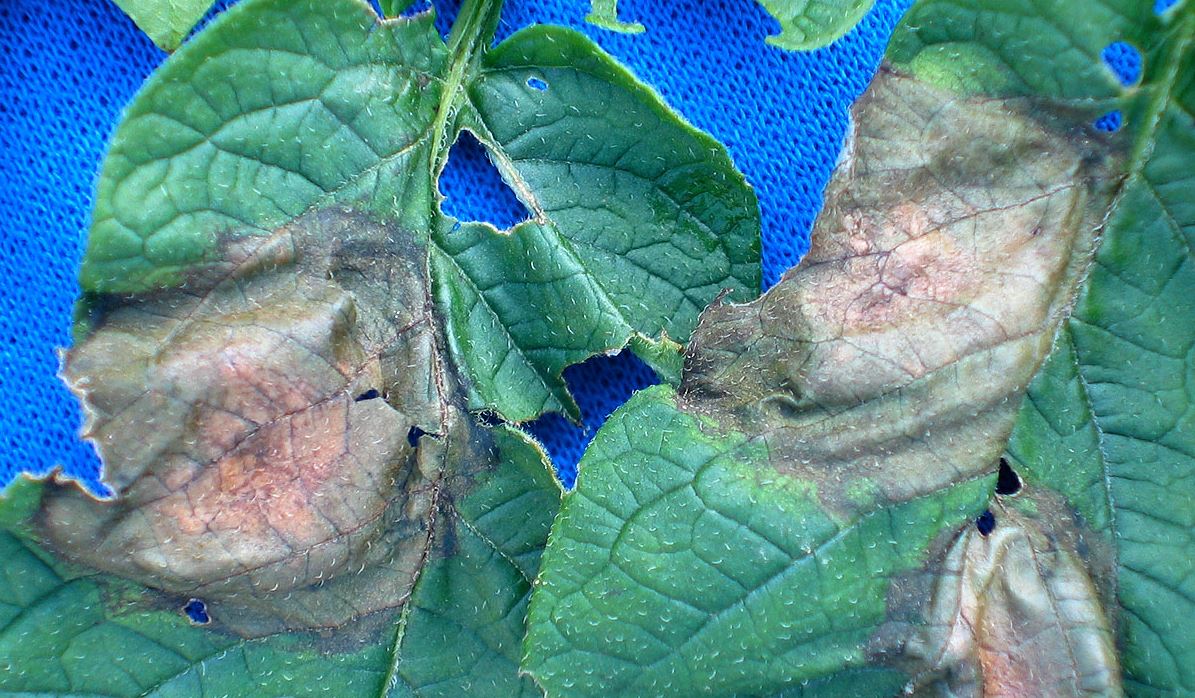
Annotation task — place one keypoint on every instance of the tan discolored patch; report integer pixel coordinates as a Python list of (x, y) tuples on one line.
[(254, 424), (1014, 614), (953, 241)]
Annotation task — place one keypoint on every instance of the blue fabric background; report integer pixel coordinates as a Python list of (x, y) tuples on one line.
[(66, 71)]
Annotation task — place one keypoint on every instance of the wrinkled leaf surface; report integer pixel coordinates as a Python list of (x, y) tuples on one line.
[(281, 338), (803, 509)]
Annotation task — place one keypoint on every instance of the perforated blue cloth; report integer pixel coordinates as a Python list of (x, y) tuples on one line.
[(66, 71)]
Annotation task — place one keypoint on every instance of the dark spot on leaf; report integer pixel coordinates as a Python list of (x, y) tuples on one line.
[(537, 84), (986, 523), (196, 611), (371, 394), (413, 436), (1007, 480)]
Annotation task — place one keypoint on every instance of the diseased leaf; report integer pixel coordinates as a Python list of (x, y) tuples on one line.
[(878, 379), (232, 419), (723, 539), (804, 24), (1108, 421), (638, 220), (167, 22), (68, 630), (281, 336), (688, 561), (1015, 613)]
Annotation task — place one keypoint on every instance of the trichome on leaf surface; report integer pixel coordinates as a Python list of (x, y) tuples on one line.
[(282, 337), (814, 509)]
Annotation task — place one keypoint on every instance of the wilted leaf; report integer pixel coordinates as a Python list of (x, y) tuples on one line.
[(281, 335), (786, 517), (167, 22)]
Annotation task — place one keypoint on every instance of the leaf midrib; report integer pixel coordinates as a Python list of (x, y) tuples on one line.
[(1141, 151)]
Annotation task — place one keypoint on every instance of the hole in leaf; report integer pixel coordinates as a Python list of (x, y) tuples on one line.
[(196, 612), (488, 419), (1124, 60), (1110, 122), (474, 189), (416, 7), (371, 394), (986, 523), (413, 436), (537, 84), (1007, 480), (1161, 6)]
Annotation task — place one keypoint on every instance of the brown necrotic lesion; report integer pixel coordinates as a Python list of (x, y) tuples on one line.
[(225, 411), (1014, 613), (954, 238)]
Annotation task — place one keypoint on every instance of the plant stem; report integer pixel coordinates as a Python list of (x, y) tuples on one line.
[(470, 38)]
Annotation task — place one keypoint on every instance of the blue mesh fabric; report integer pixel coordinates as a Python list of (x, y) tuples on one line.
[(66, 73)]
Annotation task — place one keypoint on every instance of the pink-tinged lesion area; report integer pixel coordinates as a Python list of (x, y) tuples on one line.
[(1014, 613), (294, 490), (955, 235), (228, 426), (903, 289)]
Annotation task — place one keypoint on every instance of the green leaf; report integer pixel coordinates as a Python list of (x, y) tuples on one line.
[(604, 14), (281, 336), (980, 238), (685, 561), (638, 220), (167, 22), (804, 24), (1021, 47), (811, 24), (394, 8), (1108, 423), (458, 636)]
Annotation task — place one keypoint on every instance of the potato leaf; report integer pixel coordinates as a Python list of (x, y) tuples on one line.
[(282, 335), (811, 24), (66, 630), (636, 220), (166, 22), (804, 24), (817, 501), (604, 14)]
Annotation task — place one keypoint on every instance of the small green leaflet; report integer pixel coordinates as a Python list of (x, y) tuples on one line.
[(167, 22), (804, 24)]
